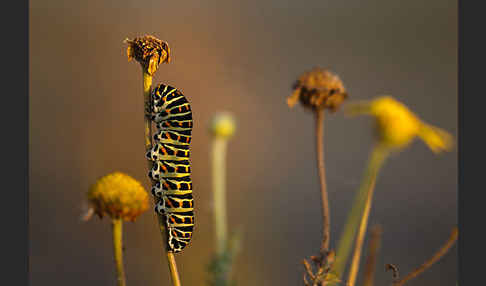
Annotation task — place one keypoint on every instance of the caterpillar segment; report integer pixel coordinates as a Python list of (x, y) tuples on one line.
[(169, 152), (172, 137), (181, 185), (172, 187)]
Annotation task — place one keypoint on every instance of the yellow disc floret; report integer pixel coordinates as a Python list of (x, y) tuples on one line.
[(223, 125), (397, 126), (119, 196)]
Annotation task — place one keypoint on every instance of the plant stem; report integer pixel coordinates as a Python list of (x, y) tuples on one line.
[(353, 271), (358, 214), (443, 250), (147, 85), (322, 179), (234, 247), (174, 274), (116, 226), (219, 182), (373, 247)]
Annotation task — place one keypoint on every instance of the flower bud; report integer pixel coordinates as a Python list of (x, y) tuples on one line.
[(223, 125)]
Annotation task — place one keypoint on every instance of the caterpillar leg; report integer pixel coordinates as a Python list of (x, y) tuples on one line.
[(157, 170), (160, 207), (157, 190), (168, 152)]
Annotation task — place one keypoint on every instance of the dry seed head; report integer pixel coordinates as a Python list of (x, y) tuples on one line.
[(119, 196), (149, 52), (318, 89)]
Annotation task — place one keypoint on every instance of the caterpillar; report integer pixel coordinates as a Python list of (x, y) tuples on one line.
[(171, 171)]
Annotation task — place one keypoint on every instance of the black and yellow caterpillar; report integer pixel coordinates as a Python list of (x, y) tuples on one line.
[(172, 185)]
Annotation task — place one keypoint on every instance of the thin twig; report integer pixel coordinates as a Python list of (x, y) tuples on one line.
[(306, 282), (116, 226), (373, 247), (443, 250), (174, 274), (353, 271), (308, 269), (322, 179)]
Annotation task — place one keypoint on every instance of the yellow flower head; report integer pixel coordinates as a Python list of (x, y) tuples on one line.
[(317, 89), (223, 125), (119, 196), (149, 52), (397, 126)]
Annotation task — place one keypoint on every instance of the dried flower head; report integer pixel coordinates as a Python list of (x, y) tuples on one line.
[(149, 52), (119, 196), (223, 125), (317, 89), (397, 126)]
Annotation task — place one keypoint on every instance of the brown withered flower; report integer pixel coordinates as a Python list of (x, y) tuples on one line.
[(318, 89), (149, 51)]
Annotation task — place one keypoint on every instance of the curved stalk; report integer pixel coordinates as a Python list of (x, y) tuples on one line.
[(438, 255), (358, 214), (353, 271)]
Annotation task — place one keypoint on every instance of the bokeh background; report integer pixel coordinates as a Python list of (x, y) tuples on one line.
[(86, 120)]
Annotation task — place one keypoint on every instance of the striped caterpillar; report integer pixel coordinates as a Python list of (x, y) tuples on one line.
[(170, 174)]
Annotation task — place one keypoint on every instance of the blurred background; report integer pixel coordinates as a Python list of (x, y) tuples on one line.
[(86, 120)]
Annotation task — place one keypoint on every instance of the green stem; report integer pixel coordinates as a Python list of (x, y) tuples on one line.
[(353, 271), (378, 156), (219, 183), (116, 226)]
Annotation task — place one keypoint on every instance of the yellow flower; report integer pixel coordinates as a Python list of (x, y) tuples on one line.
[(397, 126), (119, 196), (317, 89), (223, 125), (149, 52)]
